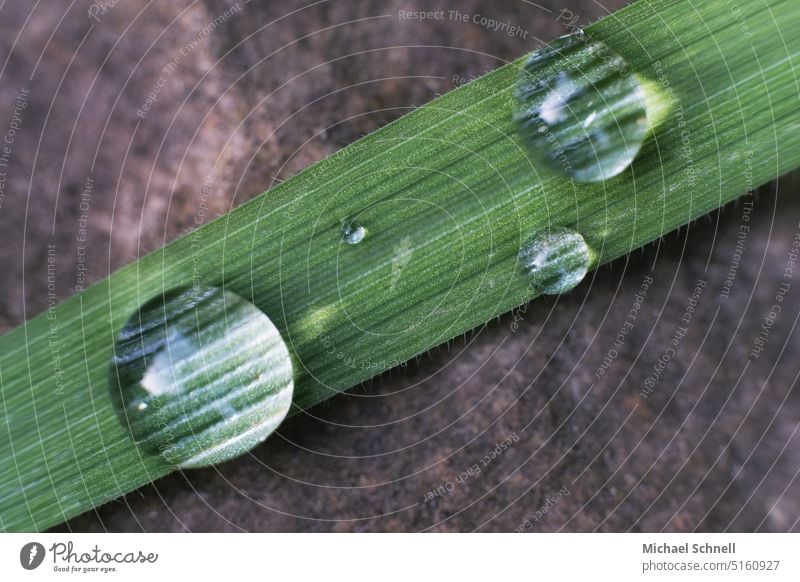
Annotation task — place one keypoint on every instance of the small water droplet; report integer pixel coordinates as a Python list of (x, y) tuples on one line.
[(199, 376), (556, 260), (353, 233), (579, 109)]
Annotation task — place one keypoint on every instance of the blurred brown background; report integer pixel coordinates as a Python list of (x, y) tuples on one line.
[(715, 447)]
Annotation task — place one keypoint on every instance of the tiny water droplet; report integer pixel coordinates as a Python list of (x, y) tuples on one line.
[(579, 109), (353, 233), (556, 260), (199, 376)]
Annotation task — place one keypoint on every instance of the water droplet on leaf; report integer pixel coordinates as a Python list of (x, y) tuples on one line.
[(353, 233), (579, 109), (199, 376), (556, 261)]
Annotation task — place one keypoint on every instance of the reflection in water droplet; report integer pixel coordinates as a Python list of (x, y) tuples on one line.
[(556, 261), (353, 233), (199, 376), (579, 109)]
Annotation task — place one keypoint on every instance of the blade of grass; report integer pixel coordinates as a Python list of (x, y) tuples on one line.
[(448, 194)]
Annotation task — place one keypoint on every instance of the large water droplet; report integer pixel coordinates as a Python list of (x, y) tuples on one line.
[(199, 376), (556, 260), (353, 233), (579, 109)]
